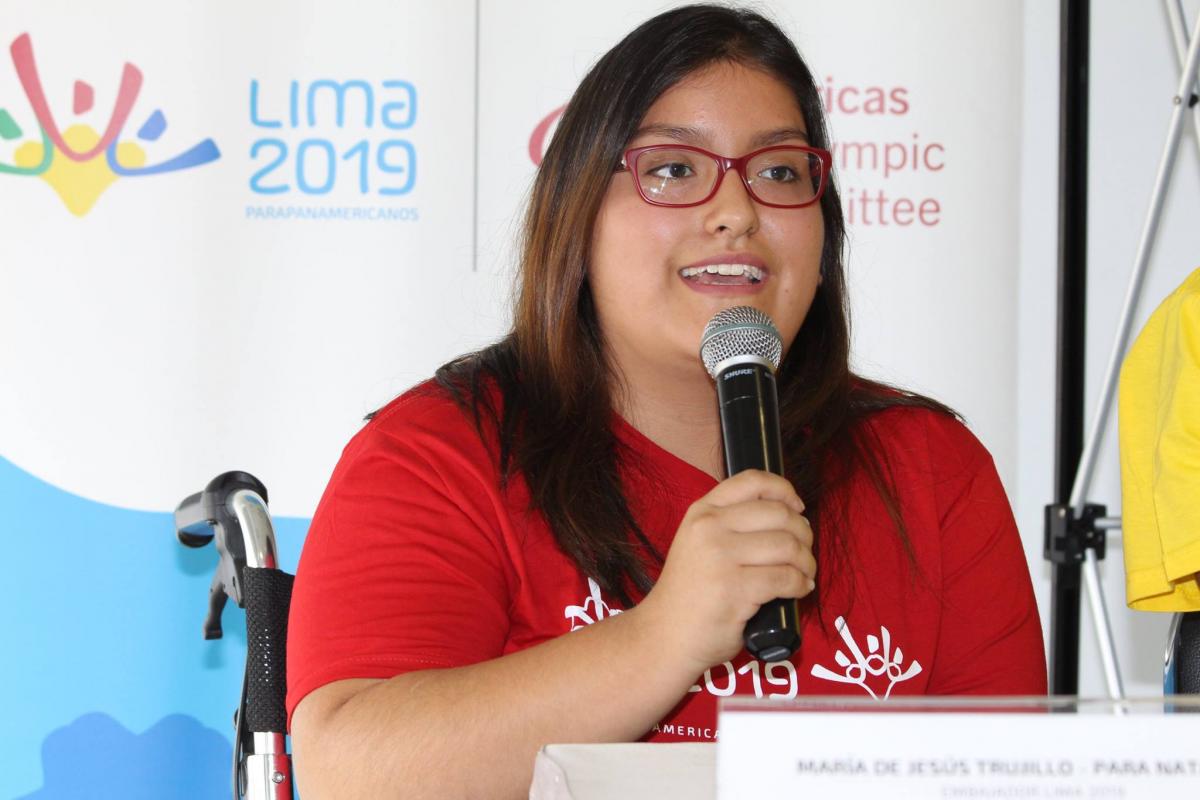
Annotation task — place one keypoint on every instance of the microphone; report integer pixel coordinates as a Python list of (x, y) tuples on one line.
[(741, 349)]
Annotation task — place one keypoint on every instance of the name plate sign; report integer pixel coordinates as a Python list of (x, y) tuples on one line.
[(936, 753)]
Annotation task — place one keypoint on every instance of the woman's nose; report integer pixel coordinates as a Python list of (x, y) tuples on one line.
[(731, 209)]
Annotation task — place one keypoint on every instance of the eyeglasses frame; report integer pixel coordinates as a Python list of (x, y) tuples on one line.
[(724, 164)]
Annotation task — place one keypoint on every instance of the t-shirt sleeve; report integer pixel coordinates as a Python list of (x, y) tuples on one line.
[(990, 638), (403, 567)]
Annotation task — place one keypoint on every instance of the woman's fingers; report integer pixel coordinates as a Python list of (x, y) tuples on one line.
[(763, 515), (763, 584), (753, 484), (767, 548)]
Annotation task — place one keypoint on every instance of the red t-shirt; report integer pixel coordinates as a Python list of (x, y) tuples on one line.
[(417, 559)]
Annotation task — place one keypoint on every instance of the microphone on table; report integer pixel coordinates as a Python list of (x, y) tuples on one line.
[(741, 350)]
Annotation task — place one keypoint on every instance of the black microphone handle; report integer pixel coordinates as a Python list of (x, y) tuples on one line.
[(749, 407)]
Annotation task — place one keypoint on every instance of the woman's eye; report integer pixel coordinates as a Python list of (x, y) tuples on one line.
[(781, 173), (674, 169)]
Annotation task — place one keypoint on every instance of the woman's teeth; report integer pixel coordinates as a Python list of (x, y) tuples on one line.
[(753, 273)]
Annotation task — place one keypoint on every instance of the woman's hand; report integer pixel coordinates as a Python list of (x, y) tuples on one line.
[(744, 543)]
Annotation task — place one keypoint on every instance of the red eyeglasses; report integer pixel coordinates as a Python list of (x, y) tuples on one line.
[(679, 175)]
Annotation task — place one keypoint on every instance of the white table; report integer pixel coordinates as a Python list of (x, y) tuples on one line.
[(625, 772)]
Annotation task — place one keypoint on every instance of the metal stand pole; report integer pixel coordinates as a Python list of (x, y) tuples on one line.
[(1065, 575)]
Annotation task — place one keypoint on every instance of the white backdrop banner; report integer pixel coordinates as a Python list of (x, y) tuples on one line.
[(230, 230)]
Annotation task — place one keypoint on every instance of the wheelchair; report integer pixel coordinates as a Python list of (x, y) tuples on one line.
[(232, 511)]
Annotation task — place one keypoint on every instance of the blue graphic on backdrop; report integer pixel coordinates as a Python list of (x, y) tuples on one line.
[(102, 615), (95, 756)]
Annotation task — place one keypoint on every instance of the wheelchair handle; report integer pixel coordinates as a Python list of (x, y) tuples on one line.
[(232, 510)]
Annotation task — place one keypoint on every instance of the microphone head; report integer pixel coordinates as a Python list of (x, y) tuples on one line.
[(740, 334)]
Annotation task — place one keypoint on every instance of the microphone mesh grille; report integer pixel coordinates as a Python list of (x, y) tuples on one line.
[(740, 331)]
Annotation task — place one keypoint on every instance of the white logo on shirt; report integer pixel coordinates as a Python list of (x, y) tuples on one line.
[(580, 616), (881, 661)]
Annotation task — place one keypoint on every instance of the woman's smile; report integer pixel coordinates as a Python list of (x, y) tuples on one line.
[(732, 274)]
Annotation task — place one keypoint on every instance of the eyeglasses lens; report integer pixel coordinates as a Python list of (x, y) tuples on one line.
[(784, 177)]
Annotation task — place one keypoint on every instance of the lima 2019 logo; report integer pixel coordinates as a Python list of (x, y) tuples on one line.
[(79, 162)]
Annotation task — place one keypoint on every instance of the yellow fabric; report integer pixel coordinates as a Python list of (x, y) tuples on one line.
[(1159, 422)]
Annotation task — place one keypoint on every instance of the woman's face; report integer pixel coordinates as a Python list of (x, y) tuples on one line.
[(651, 304)]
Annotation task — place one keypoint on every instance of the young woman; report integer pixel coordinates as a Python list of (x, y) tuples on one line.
[(541, 546)]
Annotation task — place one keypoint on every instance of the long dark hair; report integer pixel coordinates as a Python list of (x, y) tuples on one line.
[(552, 420)]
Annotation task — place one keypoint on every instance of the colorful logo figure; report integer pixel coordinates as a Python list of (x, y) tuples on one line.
[(69, 160)]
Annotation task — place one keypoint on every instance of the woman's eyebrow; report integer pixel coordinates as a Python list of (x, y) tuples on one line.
[(780, 135), (680, 133)]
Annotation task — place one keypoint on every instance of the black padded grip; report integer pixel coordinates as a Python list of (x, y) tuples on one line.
[(1187, 655), (268, 593)]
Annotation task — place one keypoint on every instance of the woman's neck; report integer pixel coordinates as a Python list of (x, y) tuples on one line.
[(680, 416)]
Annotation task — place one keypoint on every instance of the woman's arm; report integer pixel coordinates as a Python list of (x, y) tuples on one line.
[(473, 731)]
